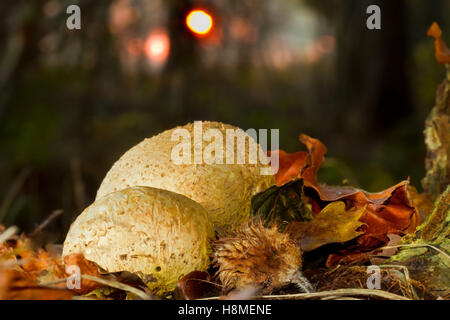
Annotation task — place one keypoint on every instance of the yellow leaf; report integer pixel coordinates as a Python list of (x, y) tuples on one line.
[(333, 224)]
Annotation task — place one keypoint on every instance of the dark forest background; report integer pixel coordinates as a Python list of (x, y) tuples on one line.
[(72, 101)]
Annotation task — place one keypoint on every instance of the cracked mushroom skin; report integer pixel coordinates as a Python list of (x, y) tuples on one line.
[(157, 234), (224, 190)]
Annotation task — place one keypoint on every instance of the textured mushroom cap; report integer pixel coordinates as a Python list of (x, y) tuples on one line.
[(224, 190), (157, 234)]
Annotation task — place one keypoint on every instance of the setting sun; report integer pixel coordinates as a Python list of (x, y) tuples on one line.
[(199, 22)]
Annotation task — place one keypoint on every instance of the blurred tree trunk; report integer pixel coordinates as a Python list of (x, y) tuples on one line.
[(393, 93), (182, 64)]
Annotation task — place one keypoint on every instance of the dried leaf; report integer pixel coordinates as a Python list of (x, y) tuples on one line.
[(302, 164), (194, 285), (281, 203), (441, 50), (389, 211), (17, 285), (86, 267), (422, 201), (385, 253), (333, 224)]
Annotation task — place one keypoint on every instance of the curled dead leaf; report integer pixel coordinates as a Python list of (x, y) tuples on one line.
[(194, 285), (302, 164), (441, 51)]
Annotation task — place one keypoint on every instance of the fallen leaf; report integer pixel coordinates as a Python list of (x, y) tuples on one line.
[(333, 224), (35, 262), (441, 50), (281, 203), (19, 285), (422, 201), (389, 211), (194, 285), (85, 267), (381, 256), (302, 164)]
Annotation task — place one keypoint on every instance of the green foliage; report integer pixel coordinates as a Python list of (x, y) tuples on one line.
[(281, 204)]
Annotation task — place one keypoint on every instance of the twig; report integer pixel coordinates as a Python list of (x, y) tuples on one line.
[(46, 222), (336, 293)]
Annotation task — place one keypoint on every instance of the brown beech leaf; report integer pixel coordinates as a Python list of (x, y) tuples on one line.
[(441, 51), (389, 211), (333, 224), (302, 164), (86, 267), (194, 285), (422, 201)]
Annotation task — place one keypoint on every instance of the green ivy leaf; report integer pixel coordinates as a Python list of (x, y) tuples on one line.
[(282, 204)]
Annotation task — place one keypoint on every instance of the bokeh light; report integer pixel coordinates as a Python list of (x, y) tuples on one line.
[(157, 46), (199, 22)]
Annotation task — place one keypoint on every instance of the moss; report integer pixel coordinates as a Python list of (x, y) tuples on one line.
[(428, 264)]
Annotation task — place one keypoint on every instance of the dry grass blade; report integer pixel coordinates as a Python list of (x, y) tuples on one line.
[(339, 298), (83, 298), (109, 283), (339, 293), (407, 278), (8, 233), (118, 285), (418, 245)]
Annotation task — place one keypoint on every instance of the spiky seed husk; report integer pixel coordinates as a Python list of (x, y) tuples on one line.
[(254, 255)]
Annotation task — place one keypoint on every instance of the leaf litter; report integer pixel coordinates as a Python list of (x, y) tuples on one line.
[(347, 227)]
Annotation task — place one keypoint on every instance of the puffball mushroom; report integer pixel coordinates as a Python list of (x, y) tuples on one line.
[(157, 234), (223, 189)]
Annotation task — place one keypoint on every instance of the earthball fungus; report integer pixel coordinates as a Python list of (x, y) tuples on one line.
[(157, 234), (205, 161)]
